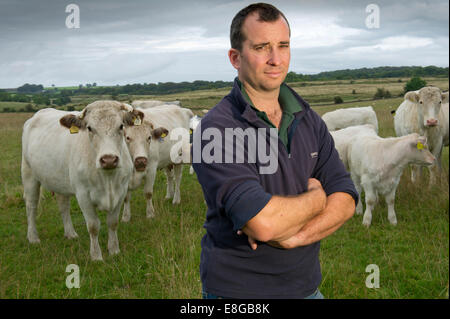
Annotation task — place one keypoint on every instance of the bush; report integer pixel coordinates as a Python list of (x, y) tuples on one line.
[(338, 100), (353, 91), (382, 93), (416, 83)]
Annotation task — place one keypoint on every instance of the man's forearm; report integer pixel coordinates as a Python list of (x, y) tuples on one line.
[(283, 217), (340, 207)]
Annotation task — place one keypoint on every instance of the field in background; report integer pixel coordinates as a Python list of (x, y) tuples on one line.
[(160, 257)]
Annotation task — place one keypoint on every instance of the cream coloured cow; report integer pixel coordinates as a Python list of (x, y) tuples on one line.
[(344, 138), (82, 154), (152, 103), (342, 118), (421, 112), (376, 165), (164, 152)]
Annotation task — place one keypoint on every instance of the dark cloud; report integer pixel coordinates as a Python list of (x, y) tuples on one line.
[(157, 41)]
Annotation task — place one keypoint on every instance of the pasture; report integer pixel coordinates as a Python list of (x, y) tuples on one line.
[(160, 257)]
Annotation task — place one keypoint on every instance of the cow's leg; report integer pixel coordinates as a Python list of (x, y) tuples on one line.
[(148, 188), (357, 182), (178, 173), (64, 208), (169, 177), (92, 224), (436, 169), (371, 199), (416, 173), (112, 219), (390, 202), (126, 215), (31, 191)]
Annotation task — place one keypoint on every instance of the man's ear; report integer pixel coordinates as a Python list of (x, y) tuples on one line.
[(159, 132), (412, 96), (235, 58)]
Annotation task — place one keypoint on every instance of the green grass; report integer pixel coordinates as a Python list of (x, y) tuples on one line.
[(160, 257)]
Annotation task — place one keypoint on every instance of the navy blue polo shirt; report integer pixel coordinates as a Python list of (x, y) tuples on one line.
[(236, 191)]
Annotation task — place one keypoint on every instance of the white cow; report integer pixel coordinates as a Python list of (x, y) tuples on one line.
[(194, 122), (344, 138), (143, 104), (376, 165), (164, 152), (421, 113), (92, 163), (343, 118)]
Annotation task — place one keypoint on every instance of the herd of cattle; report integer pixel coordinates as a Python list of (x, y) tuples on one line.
[(105, 151)]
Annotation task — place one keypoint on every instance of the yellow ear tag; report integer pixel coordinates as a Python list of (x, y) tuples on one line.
[(191, 131), (137, 121), (74, 129), (163, 135), (419, 146)]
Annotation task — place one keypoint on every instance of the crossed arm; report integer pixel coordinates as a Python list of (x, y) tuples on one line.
[(289, 222)]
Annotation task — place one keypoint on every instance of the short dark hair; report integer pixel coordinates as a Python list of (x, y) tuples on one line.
[(266, 12)]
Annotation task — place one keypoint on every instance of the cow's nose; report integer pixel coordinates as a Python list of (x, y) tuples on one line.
[(140, 163), (109, 161), (432, 122)]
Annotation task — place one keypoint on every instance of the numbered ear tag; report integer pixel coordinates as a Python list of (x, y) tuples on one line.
[(419, 146), (137, 121), (163, 135), (74, 129)]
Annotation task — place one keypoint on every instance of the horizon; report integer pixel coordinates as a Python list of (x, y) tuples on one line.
[(231, 80)]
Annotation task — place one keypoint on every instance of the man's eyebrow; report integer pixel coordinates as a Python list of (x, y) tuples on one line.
[(261, 44), (285, 42)]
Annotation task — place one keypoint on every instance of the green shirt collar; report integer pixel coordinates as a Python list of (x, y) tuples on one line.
[(289, 104)]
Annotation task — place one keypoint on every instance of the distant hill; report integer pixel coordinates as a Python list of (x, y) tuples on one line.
[(179, 87), (370, 73)]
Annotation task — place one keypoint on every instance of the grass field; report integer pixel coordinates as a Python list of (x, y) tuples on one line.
[(160, 257)]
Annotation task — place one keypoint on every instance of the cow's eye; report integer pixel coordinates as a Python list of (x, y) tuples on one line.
[(149, 138), (89, 128), (121, 127), (420, 102), (128, 138)]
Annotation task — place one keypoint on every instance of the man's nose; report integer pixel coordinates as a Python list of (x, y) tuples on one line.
[(274, 56)]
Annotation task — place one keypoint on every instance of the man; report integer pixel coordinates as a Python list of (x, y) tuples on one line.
[(263, 230)]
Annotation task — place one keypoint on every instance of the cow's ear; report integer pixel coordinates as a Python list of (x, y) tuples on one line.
[(134, 117), (445, 97), (159, 132), (412, 96), (72, 122)]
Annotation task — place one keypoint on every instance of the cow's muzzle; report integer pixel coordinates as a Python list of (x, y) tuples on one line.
[(140, 163), (109, 161)]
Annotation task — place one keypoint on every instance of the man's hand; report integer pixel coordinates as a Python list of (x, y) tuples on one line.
[(314, 185)]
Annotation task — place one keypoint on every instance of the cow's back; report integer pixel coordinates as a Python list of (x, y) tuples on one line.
[(47, 148), (170, 117), (406, 119)]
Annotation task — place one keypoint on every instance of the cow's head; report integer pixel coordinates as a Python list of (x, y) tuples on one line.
[(104, 123), (138, 140), (429, 100), (419, 153)]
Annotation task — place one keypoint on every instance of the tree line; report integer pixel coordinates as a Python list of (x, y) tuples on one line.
[(62, 96)]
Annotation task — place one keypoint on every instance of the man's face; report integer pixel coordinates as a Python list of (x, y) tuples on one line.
[(263, 61)]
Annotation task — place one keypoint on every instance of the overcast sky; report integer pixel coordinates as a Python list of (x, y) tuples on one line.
[(137, 41)]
